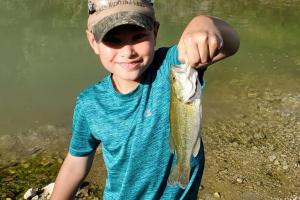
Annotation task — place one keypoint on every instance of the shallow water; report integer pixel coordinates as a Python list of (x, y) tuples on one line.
[(45, 60)]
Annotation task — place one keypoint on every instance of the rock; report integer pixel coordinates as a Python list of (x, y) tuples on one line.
[(36, 194), (259, 183), (47, 190), (252, 94), (285, 165), (201, 187), (217, 195), (272, 158), (239, 180), (35, 198), (29, 194)]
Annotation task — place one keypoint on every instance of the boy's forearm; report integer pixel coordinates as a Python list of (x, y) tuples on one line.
[(71, 174)]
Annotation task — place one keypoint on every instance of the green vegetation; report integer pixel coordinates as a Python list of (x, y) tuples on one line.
[(35, 172)]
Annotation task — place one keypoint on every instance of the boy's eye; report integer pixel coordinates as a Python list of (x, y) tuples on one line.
[(139, 36), (111, 40)]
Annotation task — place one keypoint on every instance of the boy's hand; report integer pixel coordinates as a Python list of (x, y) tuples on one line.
[(199, 48), (206, 40)]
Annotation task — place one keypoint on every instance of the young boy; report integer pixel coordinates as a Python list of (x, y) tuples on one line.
[(128, 111)]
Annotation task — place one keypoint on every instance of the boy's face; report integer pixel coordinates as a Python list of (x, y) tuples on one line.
[(126, 51)]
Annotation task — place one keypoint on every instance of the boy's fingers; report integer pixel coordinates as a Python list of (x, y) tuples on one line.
[(199, 49), (181, 52), (203, 50), (193, 55), (215, 45)]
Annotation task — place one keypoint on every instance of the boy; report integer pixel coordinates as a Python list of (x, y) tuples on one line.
[(128, 111)]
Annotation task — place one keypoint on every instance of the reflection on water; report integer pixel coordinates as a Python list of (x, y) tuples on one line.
[(45, 59)]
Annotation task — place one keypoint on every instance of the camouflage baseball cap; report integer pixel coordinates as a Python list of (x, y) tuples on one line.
[(104, 15)]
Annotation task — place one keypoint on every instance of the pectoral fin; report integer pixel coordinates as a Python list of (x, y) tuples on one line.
[(197, 147), (172, 145)]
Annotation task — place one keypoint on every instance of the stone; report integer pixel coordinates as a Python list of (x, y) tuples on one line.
[(239, 180), (29, 194), (217, 195), (272, 158), (35, 198), (47, 190)]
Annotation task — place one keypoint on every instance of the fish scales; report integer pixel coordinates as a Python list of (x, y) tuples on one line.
[(185, 121)]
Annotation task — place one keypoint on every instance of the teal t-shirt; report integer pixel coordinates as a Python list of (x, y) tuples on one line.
[(134, 132)]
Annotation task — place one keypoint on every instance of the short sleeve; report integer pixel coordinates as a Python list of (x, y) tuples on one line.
[(82, 141)]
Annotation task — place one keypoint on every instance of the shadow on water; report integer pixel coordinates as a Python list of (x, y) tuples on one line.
[(251, 101)]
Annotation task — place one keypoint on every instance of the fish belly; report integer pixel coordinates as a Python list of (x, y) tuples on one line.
[(185, 137)]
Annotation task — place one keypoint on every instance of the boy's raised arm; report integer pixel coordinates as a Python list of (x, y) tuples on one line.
[(72, 172), (206, 40)]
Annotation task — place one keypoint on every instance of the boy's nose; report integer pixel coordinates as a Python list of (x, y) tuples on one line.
[(127, 51)]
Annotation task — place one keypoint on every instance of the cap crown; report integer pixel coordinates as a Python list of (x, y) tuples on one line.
[(98, 5)]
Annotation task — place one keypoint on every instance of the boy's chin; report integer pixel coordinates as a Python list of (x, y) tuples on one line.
[(130, 77)]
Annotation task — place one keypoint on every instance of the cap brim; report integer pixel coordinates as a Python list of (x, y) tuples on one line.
[(121, 18)]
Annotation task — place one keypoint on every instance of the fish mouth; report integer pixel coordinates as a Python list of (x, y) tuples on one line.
[(185, 82)]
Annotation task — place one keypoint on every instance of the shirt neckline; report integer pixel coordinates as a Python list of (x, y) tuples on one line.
[(131, 94)]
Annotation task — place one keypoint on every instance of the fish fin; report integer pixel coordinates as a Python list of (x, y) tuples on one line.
[(172, 145), (179, 176), (197, 147)]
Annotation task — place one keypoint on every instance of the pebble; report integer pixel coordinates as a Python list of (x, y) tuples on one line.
[(276, 162), (217, 195), (201, 187), (285, 165), (272, 158), (35, 198), (239, 180), (259, 183), (29, 194)]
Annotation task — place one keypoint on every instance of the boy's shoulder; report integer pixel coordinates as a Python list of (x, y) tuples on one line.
[(94, 91)]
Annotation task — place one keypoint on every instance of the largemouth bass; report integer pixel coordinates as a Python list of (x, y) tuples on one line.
[(185, 121)]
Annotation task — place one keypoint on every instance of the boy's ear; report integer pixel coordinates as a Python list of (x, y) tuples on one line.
[(156, 28), (92, 41)]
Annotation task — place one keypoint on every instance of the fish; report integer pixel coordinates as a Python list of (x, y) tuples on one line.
[(185, 121)]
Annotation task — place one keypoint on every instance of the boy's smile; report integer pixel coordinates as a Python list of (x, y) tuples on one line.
[(126, 51)]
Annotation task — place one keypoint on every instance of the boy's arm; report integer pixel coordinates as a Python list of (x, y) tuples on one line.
[(206, 40), (72, 172)]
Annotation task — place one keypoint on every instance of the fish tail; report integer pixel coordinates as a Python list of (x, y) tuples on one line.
[(179, 175)]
